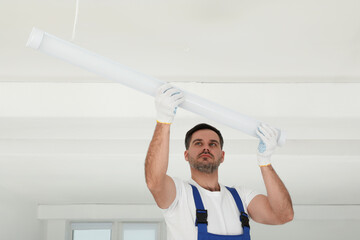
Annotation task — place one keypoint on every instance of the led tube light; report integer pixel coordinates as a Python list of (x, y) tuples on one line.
[(107, 68)]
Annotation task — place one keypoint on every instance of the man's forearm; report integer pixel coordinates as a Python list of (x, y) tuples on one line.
[(156, 162), (278, 196)]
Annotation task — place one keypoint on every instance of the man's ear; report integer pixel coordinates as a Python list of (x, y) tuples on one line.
[(186, 154), (223, 157)]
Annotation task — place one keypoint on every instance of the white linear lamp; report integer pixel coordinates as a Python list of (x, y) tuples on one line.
[(107, 68)]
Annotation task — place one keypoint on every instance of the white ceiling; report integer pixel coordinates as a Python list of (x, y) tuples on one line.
[(68, 136)]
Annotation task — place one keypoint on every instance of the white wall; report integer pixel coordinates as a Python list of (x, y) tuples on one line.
[(18, 218), (56, 230)]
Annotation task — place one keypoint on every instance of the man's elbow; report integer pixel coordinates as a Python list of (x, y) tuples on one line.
[(287, 217), (290, 215)]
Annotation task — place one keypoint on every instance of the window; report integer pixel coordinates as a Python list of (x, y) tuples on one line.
[(91, 231), (115, 231), (136, 231)]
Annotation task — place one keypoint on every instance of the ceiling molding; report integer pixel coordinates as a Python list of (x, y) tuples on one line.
[(90, 78), (151, 212)]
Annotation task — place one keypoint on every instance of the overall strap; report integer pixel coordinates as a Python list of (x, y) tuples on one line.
[(201, 212), (243, 216)]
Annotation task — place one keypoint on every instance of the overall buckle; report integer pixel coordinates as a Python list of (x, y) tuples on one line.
[(244, 220), (201, 217)]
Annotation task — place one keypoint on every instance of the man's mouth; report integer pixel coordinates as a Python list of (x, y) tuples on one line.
[(205, 155)]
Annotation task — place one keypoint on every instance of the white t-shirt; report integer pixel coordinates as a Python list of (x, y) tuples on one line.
[(223, 214)]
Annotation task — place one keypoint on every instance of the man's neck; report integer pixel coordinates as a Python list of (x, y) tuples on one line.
[(207, 181)]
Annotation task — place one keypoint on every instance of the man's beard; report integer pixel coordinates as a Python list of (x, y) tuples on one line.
[(204, 167)]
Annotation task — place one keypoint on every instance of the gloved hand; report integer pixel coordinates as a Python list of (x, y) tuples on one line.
[(167, 99), (268, 142)]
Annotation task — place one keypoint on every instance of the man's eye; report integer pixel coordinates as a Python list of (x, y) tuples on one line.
[(213, 144), (198, 143)]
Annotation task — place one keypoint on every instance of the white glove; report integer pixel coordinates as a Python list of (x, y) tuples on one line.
[(268, 142), (167, 99)]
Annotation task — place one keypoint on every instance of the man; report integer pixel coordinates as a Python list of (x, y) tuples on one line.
[(202, 208)]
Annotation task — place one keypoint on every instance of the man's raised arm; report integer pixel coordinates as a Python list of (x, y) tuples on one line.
[(161, 186), (276, 207)]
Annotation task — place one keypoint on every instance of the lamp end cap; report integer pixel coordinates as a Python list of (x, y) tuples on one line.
[(35, 38)]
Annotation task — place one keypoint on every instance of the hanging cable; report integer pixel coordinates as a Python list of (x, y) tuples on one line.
[(75, 20)]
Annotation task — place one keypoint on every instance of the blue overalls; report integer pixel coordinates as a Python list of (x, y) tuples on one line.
[(201, 219)]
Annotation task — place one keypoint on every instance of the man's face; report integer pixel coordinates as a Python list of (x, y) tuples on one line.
[(204, 153)]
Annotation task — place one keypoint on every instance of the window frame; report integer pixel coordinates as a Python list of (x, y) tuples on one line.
[(91, 226), (115, 226), (158, 225)]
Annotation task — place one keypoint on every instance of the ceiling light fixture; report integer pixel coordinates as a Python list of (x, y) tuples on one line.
[(107, 68)]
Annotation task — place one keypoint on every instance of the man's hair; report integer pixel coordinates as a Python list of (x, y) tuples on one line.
[(198, 127)]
